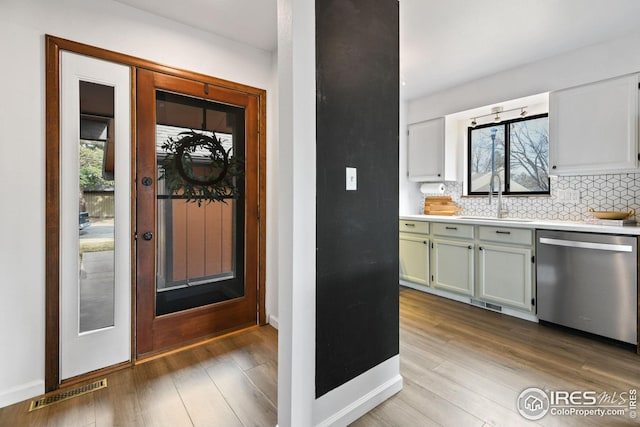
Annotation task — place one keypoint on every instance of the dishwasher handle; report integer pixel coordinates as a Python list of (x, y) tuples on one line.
[(586, 245)]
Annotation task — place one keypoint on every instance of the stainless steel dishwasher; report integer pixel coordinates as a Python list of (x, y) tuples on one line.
[(588, 281)]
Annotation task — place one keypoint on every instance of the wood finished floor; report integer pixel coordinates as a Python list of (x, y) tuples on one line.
[(465, 366), (228, 382), (462, 366)]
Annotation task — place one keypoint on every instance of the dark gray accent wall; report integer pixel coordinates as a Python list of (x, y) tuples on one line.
[(357, 89)]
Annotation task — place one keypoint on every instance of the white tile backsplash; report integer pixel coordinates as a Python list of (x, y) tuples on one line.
[(613, 192)]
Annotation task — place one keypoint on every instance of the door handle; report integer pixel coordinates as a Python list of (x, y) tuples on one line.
[(147, 235), (586, 245)]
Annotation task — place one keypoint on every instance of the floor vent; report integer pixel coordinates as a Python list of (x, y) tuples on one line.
[(494, 307), (478, 302), (67, 394), (488, 305)]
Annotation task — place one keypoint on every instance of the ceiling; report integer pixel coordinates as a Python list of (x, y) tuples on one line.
[(252, 22), (443, 43)]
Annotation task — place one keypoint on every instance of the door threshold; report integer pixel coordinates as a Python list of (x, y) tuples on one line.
[(94, 374), (148, 357)]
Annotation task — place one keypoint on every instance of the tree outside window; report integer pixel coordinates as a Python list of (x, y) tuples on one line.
[(519, 154)]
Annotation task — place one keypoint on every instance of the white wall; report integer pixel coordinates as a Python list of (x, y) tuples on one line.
[(108, 25), (409, 191), (296, 212), (297, 405), (597, 62), (593, 63), (272, 195)]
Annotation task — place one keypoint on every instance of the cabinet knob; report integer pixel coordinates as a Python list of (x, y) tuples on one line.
[(553, 167), (439, 174), (481, 248), (147, 235), (424, 241), (470, 247)]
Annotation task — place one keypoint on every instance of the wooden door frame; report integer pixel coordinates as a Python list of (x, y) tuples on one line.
[(53, 46)]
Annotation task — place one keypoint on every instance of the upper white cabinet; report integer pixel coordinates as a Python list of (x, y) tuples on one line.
[(594, 128), (425, 150)]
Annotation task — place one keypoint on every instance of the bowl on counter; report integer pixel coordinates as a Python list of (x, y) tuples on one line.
[(612, 214)]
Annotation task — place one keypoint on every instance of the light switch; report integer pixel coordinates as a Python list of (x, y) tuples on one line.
[(352, 179)]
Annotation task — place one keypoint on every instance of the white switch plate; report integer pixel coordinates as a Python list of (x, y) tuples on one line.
[(352, 179)]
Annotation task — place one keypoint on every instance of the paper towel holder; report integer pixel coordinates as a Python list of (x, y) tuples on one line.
[(432, 188)]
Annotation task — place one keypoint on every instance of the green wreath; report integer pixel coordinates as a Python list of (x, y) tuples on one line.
[(184, 181)]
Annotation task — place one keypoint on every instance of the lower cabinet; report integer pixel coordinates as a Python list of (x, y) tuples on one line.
[(452, 263), (414, 258), (505, 275), (490, 264)]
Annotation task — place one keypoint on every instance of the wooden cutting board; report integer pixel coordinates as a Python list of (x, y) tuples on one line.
[(440, 205)]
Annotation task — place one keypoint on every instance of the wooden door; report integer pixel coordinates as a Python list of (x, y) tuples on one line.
[(197, 262)]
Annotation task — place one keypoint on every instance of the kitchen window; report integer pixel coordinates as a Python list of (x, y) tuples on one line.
[(517, 150)]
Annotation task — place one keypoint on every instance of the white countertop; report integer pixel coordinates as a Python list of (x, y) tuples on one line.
[(529, 223)]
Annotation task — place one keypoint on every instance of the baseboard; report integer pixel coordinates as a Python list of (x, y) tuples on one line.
[(467, 300), (345, 404), (439, 292), (273, 321), (365, 404), (21, 392)]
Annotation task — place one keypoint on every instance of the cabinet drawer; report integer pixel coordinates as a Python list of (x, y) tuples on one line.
[(421, 227), (514, 236), (452, 230)]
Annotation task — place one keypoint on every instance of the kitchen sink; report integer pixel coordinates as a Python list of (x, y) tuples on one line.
[(492, 218)]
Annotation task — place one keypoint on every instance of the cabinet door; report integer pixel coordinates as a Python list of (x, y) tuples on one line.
[(593, 128), (414, 259), (426, 151), (453, 266), (504, 275)]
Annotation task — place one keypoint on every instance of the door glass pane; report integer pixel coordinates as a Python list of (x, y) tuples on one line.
[(96, 207), (199, 254)]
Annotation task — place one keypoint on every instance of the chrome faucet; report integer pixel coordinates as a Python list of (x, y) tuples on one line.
[(501, 212)]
